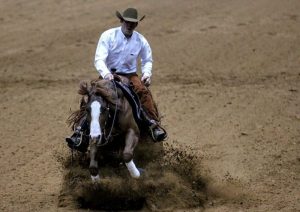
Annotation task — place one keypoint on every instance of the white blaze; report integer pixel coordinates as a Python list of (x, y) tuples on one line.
[(95, 114)]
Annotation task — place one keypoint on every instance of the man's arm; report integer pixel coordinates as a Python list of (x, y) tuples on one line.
[(146, 62), (101, 55)]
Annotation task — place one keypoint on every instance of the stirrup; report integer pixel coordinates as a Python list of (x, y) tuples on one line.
[(78, 141), (75, 139)]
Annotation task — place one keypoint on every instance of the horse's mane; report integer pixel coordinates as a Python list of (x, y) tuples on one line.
[(99, 87), (106, 89)]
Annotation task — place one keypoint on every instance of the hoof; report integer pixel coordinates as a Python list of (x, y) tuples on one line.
[(95, 179), (142, 171), (94, 170)]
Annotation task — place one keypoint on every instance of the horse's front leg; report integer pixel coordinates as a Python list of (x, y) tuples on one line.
[(131, 140), (93, 161)]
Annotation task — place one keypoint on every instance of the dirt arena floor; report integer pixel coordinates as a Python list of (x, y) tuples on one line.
[(226, 78)]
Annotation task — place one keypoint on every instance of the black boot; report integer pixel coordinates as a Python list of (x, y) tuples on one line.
[(75, 139), (80, 139), (158, 133)]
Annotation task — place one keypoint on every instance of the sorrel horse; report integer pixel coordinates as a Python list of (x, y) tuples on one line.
[(109, 114)]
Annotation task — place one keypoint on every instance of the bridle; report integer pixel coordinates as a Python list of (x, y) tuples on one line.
[(107, 138)]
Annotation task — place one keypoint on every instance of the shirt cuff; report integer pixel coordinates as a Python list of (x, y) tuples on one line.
[(146, 69), (101, 68), (103, 73)]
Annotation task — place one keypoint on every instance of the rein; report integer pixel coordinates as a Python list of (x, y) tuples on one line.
[(107, 138)]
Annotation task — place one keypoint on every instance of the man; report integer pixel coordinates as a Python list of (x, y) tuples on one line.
[(118, 52)]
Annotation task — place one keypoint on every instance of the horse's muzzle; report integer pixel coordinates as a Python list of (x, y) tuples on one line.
[(96, 140)]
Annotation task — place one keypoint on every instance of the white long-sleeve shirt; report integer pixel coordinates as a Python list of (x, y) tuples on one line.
[(115, 51)]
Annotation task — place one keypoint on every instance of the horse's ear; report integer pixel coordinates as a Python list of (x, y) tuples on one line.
[(83, 88)]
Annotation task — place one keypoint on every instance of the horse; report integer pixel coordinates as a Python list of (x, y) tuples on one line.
[(112, 126)]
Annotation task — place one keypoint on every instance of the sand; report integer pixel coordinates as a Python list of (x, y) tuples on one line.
[(226, 78)]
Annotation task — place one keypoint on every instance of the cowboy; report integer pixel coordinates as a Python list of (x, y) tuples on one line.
[(118, 51)]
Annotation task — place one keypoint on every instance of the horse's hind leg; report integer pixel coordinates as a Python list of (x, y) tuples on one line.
[(93, 162), (130, 144)]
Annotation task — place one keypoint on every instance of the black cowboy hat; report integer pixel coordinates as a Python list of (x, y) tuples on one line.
[(130, 14)]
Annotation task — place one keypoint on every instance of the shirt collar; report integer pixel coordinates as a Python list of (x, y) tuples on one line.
[(123, 36)]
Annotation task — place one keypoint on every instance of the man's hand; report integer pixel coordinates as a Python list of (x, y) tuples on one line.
[(146, 79), (109, 76)]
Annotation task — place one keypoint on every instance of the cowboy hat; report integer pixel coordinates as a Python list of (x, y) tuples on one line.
[(130, 14)]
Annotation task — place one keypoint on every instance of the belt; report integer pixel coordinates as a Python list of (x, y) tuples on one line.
[(114, 71)]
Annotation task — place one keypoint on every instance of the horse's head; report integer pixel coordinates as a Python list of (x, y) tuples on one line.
[(100, 100)]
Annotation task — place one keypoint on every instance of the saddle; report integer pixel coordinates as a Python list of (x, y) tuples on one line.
[(139, 114), (132, 98)]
